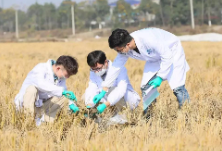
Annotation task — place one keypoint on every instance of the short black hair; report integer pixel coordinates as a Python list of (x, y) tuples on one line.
[(95, 57), (119, 38), (69, 63)]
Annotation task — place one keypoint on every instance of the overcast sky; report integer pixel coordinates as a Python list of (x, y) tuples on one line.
[(24, 4)]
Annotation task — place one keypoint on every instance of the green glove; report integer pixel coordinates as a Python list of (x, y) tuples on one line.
[(156, 82), (69, 94), (99, 96), (73, 108), (88, 107), (101, 108)]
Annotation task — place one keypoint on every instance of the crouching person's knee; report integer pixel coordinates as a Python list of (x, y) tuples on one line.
[(31, 89), (29, 98)]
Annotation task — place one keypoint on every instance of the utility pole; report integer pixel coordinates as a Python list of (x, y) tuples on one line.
[(16, 24), (16, 7), (73, 15), (209, 17), (73, 21), (192, 16)]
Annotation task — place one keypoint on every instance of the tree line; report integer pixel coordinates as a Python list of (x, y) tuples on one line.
[(90, 15)]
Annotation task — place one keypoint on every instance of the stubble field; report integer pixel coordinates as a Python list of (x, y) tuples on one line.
[(196, 127)]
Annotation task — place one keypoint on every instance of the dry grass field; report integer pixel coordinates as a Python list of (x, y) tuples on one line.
[(196, 127)]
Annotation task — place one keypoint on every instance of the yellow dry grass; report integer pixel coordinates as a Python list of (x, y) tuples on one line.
[(196, 127)]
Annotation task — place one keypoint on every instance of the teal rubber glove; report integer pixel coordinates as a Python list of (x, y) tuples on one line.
[(69, 94), (73, 108), (101, 108), (99, 96), (156, 82), (88, 107)]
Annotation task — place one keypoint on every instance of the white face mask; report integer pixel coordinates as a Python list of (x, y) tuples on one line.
[(123, 53), (63, 77), (101, 73)]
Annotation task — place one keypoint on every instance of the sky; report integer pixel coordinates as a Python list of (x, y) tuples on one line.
[(24, 4)]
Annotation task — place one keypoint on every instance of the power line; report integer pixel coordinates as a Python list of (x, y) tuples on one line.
[(73, 15)]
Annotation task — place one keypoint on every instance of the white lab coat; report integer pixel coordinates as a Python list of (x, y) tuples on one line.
[(163, 54), (121, 88), (42, 77)]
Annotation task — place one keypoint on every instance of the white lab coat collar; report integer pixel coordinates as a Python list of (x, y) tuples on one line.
[(109, 64), (49, 66), (139, 45)]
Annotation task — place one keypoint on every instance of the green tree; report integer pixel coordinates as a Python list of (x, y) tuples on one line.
[(122, 14), (101, 9), (23, 20), (7, 20), (213, 10), (64, 16), (174, 12), (35, 14), (49, 15), (148, 7)]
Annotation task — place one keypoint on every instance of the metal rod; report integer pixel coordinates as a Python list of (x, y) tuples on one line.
[(73, 21), (192, 16), (16, 24)]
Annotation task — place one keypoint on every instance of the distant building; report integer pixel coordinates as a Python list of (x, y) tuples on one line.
[(134, 3), (156, 1)]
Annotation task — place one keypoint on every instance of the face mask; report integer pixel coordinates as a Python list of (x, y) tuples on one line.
[(63, 77), (123, 53), (101, 73)]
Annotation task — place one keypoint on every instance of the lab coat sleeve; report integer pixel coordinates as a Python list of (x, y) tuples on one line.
[(43, 85), (119, 91), (91, 90), (114, 70)]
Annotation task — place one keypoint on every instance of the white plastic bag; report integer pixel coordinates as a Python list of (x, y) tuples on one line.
[(149, 96)]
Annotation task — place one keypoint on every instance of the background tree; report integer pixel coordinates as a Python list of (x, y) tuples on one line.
[(122, 14), (148, 7), (7, 20), (49, 15), (101, 10), (35, 13), (64, 16)]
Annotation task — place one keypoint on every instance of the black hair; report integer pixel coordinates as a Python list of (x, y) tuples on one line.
[(69, 63), (119, 38), (95, 57)]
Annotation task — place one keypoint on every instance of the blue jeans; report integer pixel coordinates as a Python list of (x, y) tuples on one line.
[(181, 94)]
